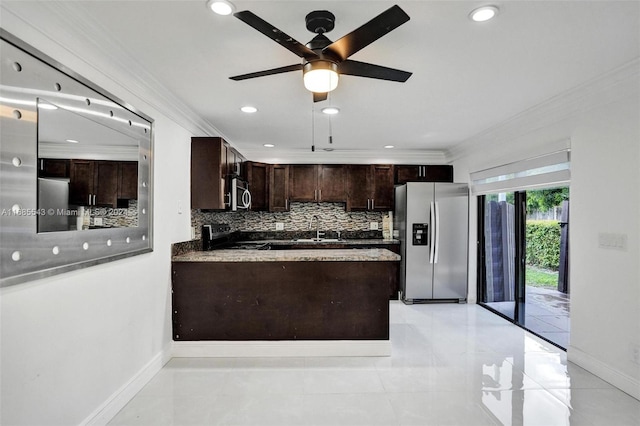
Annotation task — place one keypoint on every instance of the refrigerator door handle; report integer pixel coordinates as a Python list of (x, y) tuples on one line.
[(437, 243), (432, 248)]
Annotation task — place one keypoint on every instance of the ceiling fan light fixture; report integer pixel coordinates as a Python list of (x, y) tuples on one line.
[(484, 13), (320, 76), (221, 7)]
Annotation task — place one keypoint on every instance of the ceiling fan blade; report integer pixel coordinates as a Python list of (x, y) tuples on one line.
[(275, 34), (364, 69), (288, 68), (317, 97), (361, 37)]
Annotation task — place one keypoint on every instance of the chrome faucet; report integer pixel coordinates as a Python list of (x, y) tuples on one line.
[(318, 233)]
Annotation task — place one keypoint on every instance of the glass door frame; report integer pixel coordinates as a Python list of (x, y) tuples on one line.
[(520, 220)]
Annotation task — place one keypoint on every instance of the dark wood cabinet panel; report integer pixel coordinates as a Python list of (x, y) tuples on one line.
[(106, 183), (54, 168), (331, 183), (358, 187), (425, 173), (370, 187), (208, 173), (81, 177), (278, 188), (383, 192), (128, 180), (303, 182), (282, 300), (258, 177), (102, 183)]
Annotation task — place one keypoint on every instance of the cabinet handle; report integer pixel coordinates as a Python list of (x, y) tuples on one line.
[(41, 164), (286, 204), (94, 199), (373, 204), (319, 194)]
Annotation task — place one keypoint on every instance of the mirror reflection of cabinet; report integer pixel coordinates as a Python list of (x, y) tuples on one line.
[(102, 183), (53, 168)]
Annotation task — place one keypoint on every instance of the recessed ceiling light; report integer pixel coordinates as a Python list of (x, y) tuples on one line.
[(221, 7), (248, 109), (389, 146), (268, 145), (331, 110), (72, 141), (484, 13)]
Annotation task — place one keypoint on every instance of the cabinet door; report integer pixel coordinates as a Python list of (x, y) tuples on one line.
[(438, 173), (358, 187), (128, 180), (81, 182), (383, 187), (278, 188), (54, 168), (208, 166), (258, 178), (106, 183), (406, 174), (331, 183), (303, 182)]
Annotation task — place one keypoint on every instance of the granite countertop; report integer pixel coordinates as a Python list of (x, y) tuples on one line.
[(294, 255), (350, 242)]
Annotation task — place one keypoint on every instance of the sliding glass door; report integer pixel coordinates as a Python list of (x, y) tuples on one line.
[(522, 259)]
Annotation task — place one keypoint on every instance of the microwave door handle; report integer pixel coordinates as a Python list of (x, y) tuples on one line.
[(246, 199)]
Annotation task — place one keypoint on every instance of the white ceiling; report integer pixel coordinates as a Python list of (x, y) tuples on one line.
[(467, 77)]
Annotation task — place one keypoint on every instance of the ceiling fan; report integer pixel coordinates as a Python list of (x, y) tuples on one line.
[(323, 60)]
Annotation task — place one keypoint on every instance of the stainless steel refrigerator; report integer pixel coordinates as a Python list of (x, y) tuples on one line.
[(433, 224)]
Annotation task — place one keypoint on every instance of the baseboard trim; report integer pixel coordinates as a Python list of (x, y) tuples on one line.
[(107, 411), (281, 348), (622, 381)]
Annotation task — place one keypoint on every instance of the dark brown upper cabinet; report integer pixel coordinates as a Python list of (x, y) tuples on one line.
[(278, 187), (317, 182), (102, 183), (370, 187), (210, 188), (128, 180), (54, 168), (257, 174), (432, 173)]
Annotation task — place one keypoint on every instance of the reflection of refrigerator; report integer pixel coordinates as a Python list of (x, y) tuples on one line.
[(53, 201), (433, 224)]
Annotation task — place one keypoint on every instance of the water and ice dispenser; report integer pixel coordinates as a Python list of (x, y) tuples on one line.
[(420, 234)]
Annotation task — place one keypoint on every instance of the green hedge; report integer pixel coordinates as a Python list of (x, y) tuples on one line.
[(543, 244)]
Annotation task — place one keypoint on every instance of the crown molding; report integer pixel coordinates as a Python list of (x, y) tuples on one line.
[(87, 41), (343, 156), (607, 88)]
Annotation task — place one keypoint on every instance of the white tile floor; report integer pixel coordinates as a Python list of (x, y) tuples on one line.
[(451, 365)]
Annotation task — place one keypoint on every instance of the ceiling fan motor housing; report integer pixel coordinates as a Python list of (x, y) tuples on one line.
[(320, 21)]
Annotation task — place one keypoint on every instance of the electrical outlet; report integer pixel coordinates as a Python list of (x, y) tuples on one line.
[(612, 241), (279, 226), (373, 226), (97, 221), (193, 232)]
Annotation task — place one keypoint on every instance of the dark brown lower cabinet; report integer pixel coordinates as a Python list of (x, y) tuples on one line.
[(282, 300)]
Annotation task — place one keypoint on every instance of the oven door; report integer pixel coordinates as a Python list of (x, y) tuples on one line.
[(240, 195)]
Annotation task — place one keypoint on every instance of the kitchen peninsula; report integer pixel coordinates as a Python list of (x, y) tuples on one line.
[(292, 294)]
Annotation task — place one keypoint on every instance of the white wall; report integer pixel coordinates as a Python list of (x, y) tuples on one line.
[(601, 123), (70, 343)]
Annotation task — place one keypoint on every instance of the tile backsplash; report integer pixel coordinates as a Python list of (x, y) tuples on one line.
[(333, 217)]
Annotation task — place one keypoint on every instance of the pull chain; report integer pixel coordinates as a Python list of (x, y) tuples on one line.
[(313, 142)]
